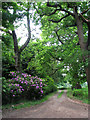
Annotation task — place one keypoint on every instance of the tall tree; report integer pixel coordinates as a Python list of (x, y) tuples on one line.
[(76, 15), (11, 12)]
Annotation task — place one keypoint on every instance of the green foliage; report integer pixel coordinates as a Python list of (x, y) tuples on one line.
[(79, 94), (27, 103), (7, 55), (62, 39), (51, 56), (51, 87), (25, 86)]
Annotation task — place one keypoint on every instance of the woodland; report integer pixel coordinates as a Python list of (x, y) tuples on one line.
[(60, 59)]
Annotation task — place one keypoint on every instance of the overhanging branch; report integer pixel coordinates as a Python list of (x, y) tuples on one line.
[(85, 11), (61, 9), (57, 21), (58, 37), (84, 19), (45, 13), (52, 12)]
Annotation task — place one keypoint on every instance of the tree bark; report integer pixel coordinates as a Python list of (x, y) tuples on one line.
[(17, 62), (18, 51), (88, 41), (88, 68), (88, 81), (80, 31), (84, 45)]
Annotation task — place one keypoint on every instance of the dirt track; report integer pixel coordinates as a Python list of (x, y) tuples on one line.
[(53, 108)]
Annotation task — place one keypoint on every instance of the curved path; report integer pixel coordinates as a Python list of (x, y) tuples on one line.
[(53, 108)]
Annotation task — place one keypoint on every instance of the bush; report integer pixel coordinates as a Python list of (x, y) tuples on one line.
[(25, 86), (50, 86), (80, 92), (21, 86)]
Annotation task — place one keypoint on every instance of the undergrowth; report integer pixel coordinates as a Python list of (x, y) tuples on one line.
[(27, 103), (79, 94)]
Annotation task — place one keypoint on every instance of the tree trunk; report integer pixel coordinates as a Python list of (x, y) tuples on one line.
[(16, 51), (88, 68), (88, 81), (17, 62), (84, 45)]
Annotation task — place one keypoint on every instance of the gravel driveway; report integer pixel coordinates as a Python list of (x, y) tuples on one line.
[(53, 108)]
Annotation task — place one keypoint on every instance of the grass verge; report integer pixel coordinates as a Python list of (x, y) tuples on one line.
[(79, 94), (60, 94), (27, 103)]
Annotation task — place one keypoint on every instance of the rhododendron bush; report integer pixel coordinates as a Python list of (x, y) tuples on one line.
[(22, 86)]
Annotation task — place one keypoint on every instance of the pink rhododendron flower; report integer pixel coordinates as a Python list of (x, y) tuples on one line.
[(41, 91), (22, 89), (37, 87)]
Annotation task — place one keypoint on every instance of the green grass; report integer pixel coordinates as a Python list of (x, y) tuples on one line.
[(79, 94), (27, 103), (60, 94)]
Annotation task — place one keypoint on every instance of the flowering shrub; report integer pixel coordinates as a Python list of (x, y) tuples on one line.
[(22, 86)]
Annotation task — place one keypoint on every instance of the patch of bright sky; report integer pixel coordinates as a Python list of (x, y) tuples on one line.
[(22, 32)]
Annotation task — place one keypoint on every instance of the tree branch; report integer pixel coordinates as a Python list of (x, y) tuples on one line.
[(84, 20), (54, 71), (53, 12), (29, 32), (55, 6), (58, 37), (56, 21), (85, 11), (58, 5), (6, 31), (45, 13)]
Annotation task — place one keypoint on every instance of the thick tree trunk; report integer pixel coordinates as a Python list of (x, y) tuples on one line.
[(88, 81), (17, 62), (84, 45), (16, 49), (88, 68)]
